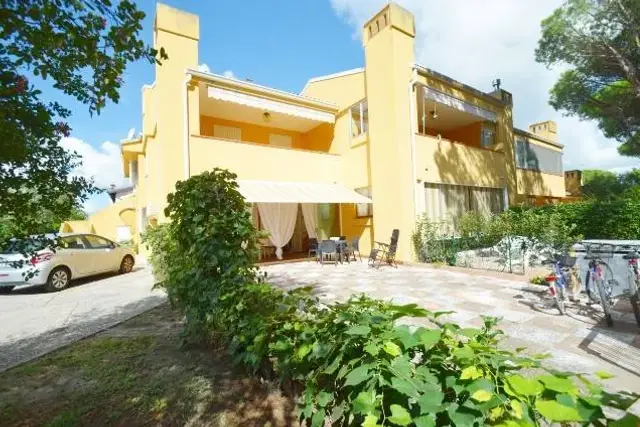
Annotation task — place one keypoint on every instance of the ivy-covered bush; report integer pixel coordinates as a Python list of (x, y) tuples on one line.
[(348, 363)]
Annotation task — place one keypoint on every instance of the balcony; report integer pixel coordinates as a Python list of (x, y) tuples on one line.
[(442, 161), (257, 161)]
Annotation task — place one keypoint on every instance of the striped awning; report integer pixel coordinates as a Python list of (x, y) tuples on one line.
[(459, 104), (269, 105), (298, 192)]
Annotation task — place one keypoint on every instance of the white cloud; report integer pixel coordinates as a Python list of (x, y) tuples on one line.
[(478, 41), (229, 74), (102, 164), (203, 68)]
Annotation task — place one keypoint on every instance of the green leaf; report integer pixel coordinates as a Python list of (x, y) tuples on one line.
[(372, 348), (425, 421), (334, 365), (431, 402), (318, 418), (364, 403), (371, 420), (324, 398), (481, 395), (442, 313), (470, 373), (303, 350), (464, 352), (403, 334), (604, 375), (428, 337), (470, 332), (524, 386), (629, 420), (462, 416), (401, 366), (392, 348), (561, 385), (405, 387), (399, 416), (554, 411), (358, 330), (358, 375)]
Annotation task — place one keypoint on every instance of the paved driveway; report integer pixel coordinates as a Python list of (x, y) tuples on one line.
[(33, 323), (578, 342)]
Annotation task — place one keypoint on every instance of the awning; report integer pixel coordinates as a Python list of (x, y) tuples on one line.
[(298, 192), (269, 105), (459, 104)]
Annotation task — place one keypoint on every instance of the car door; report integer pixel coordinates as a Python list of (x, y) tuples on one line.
[(104, 256), (74, 254)]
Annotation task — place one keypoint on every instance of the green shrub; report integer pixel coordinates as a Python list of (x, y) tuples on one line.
[(350, 362), (538, 280)]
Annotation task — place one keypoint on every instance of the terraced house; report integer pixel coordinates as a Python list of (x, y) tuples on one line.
[(357, 153)]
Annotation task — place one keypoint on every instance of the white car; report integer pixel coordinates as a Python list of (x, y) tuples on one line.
[(76, 255)]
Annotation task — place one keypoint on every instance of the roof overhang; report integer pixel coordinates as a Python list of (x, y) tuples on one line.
[(298, 192), (130, 148)]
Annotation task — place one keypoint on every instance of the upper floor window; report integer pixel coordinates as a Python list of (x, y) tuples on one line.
[(488, 135), (538, 158), (359, 118)]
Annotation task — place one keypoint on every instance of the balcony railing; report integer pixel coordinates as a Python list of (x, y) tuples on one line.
[(258, 161), (444, 161)]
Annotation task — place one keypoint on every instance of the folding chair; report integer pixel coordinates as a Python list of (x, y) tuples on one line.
[(383, 252), (328, 247)]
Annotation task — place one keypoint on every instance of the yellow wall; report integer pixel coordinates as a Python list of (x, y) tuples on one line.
[(388, 55), (261, 162), (447, 162), (105, 221), (532, 183), (343, 91)]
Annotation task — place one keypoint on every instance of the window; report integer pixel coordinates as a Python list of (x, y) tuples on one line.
[(280, 140), (488, 135), (538, 158), (227, 132), (72, 242), (364, 209), (95, 242), (444, 201), (359, 119)]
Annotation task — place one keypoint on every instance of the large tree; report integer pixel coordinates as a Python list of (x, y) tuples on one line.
[(83, 48), (599, 41)]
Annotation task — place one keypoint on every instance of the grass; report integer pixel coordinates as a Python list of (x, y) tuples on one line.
[(136, 374)]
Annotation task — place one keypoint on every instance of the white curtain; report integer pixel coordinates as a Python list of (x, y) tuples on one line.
[(279, 219), (310, 213)]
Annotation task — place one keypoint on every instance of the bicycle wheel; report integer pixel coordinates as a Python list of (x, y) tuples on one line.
[(604, 300), (560, 299)]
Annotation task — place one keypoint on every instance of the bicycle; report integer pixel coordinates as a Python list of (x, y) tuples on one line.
[(634, 282), (559, 279), (601, 274)]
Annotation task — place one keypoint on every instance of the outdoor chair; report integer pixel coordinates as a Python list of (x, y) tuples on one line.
[(313, 247), (343, 250), (353, 248), (383, 252), (328, 247)]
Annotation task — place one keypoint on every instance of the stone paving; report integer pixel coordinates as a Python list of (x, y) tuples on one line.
[(578, 342), (33, 323)]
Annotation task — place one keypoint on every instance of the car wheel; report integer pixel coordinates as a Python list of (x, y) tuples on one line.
[(59, 279), (6, 289), (127, 264)]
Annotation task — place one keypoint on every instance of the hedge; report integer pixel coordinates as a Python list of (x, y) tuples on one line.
[(347, 362)]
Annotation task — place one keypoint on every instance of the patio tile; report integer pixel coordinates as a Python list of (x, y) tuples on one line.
[(577, 341)]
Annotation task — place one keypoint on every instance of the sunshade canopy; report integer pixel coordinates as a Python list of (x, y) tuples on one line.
[(459, 104), (298, 192)]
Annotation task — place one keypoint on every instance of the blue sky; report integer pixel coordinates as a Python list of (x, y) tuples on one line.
[(283, 43)]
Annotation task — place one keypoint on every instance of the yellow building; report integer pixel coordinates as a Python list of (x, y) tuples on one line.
[(394, 133)]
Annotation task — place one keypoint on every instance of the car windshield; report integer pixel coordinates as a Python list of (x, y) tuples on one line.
[(19, 246)]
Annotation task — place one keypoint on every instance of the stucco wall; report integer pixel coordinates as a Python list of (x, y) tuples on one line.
[(447, 162), (532, 183), (342, 91), (262, 162)]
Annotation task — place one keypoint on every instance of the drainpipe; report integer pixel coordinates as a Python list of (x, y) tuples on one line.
[(414, 173), (185, 124)]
